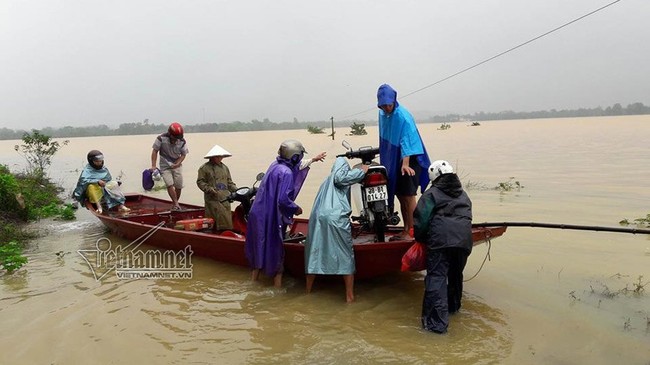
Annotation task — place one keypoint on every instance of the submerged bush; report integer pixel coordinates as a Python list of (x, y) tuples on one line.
[(639, 222), (24, 198), (509, 185), (11, 257)]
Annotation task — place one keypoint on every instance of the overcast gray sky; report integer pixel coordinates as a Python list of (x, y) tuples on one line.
[(87, 62)]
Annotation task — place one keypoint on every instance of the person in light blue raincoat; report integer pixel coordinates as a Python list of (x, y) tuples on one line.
[(95, 185), (328, 248), (402, 152)]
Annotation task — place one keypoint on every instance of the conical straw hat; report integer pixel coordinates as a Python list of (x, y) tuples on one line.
[(217, 151)]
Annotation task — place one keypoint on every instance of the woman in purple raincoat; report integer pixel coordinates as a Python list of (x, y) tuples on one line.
[(273, 210)]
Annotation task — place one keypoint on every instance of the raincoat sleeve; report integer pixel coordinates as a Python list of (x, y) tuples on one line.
[(398, 138), (411, 145), (422, 217), (305, 163), (410, 142), (344, 175), (299, 178), (203, 182), (286, 194)]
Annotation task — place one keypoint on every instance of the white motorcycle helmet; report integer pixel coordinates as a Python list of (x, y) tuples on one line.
[(439, 167), (290, 148)]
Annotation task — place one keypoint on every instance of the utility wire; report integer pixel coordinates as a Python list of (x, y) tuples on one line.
[(495, 56)]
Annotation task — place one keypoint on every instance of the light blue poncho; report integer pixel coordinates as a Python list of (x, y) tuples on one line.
[(90, 175), (328, 248)]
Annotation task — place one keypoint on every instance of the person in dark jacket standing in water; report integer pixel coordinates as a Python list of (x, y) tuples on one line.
[(443, 222)]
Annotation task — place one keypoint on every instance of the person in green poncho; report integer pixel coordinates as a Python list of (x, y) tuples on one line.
[(216, 183)]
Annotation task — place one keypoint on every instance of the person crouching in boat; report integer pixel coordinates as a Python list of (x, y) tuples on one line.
[(328, 248), (273, 210), (97, 186), (215, 182), (443, 222)]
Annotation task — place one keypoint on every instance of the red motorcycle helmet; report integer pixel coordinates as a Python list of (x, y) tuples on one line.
[(176, 130)]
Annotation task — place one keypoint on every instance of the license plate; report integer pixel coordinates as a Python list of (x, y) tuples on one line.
[(376, 193)]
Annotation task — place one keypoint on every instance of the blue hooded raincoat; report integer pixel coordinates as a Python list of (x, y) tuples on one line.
[(399, 138), (271, 213), (328, 249)]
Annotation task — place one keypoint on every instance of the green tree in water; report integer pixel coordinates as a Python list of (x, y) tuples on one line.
[(315, 130), (358, 129), (38, 149)]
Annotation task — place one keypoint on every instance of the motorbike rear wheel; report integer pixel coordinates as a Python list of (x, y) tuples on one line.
[(379, 226)]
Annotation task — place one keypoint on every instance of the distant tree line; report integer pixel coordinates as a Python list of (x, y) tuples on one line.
[(615, 110), (152, 128), (145, 127)]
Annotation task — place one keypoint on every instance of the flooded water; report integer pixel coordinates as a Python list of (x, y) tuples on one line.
[(546, 296)]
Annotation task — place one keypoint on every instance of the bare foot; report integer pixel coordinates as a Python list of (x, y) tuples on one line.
[(255, 274), (277, 280)]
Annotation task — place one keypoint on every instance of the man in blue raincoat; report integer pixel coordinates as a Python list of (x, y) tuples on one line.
[(94, 182), (273, 210), (328, 249), (402, 152)]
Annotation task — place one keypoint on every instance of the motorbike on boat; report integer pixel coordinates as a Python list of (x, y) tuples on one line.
[(245, 196), (372, 191)]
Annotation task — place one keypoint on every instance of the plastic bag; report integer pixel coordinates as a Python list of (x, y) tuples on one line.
[(147, 179), (113, 189), (415, 258)]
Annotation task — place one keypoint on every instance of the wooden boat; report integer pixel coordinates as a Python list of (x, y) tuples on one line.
[(372, 258)]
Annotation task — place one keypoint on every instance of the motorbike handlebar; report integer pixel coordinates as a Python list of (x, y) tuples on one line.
[(241, 194), (366, 154)]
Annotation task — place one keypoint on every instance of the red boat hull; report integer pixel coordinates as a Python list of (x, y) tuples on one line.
[(372, 258)]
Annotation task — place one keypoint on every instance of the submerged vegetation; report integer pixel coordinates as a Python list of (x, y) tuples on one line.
[(358, 129), (315, 130), (606, 294), (510, 185), (639, 222), (28, 196), (444, 126), (637, 289)]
